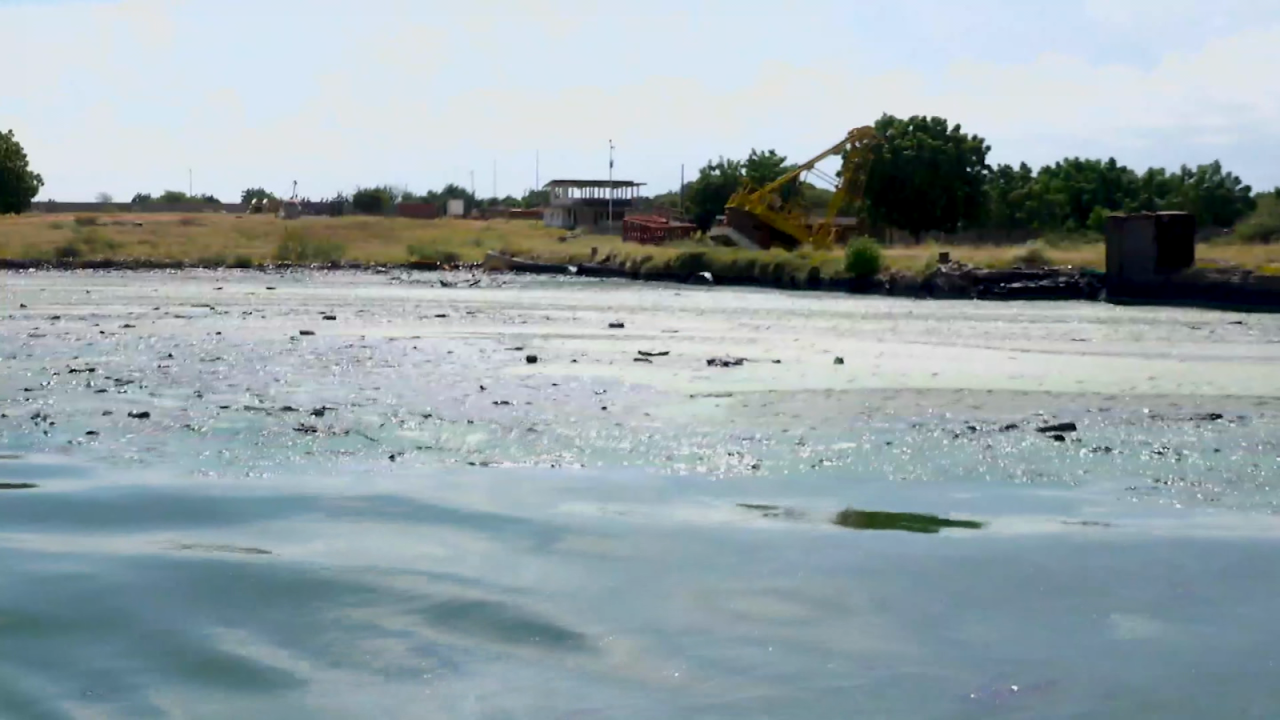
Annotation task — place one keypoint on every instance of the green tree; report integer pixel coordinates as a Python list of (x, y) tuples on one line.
[(449, 192), (926, 175), (1215, 197), (1066, 193), (18, 184), (1009, 192), (816, 199), (535, 199), (248, 195), (173, 196), (764, 167), (374, 201), (207, 198), (1098, 220), (669, 200), (1075, 193), (716, 183), (140, 198)]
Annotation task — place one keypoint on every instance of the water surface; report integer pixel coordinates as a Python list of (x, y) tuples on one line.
[(211, 517)]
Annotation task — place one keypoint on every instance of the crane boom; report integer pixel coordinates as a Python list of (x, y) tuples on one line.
[(764, 219)]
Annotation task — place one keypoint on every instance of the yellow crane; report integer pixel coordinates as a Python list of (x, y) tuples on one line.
[(761, 217)]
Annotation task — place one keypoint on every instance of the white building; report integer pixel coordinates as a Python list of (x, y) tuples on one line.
[(584, 204)]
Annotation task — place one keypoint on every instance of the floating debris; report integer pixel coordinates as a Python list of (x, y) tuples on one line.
[(905, 522), (233, 549)]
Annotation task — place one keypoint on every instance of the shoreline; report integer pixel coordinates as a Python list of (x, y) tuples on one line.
[(1231, 292)]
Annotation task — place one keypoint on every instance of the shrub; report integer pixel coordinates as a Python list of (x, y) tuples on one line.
[(86, 220), (69, 250), (212, 261), (1065, 239), (863, 258), (1263, 225), (296, 246), (57, 225), (94, 241), (189, 221), (429, 254), (241, 261), (1033, 257)]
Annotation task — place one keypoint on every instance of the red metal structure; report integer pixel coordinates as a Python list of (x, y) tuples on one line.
[(654, 230)]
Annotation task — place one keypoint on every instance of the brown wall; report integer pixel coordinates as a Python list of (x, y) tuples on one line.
[(418, 211)]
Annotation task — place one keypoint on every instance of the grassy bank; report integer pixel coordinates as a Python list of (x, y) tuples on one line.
[(222, 240)]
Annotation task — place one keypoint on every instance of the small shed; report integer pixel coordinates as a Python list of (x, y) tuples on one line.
[(1147, 248)]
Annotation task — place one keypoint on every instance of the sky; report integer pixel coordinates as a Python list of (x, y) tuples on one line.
[(130, 96)]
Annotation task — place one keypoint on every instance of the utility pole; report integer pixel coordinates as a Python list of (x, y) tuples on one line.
[(190, 185), (681, 191), (537, 169), (611, 186), (473, 183)]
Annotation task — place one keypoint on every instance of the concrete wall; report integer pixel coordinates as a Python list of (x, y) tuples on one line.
[(583, 217), (558, 217)]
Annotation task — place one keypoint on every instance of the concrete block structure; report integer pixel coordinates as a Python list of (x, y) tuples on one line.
[(1146, 249), (584, 204)]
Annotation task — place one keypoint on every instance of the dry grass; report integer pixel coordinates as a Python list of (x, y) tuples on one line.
[(200, 237), (215, 239)]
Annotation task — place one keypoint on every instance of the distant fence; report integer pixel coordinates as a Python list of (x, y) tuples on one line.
[(151, 207), (894, 236), (1021, 236), (504, 213)]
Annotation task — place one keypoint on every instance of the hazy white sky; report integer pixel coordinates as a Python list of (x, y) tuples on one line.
[(126, 96)]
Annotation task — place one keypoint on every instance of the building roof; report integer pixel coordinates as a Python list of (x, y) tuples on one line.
[(591, 184)]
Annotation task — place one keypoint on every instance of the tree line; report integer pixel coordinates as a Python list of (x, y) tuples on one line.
[(381, 199), (929, 175), (926, 175)]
